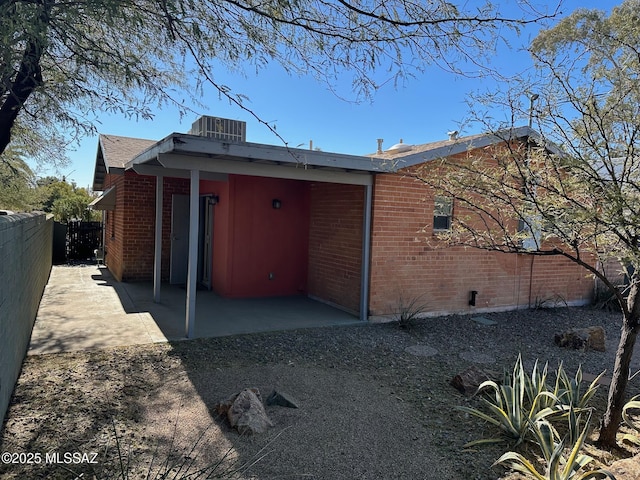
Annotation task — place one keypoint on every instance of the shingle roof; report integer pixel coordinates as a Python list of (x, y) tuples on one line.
[(424, 147), (113, 153), (117, 151), (418, 154)]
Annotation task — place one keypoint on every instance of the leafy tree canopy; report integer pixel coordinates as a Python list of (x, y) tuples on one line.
[(16, 189), (65, 200), (63, 62), (572, 189)]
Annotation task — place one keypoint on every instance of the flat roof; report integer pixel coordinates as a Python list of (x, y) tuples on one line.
[(180, 151)]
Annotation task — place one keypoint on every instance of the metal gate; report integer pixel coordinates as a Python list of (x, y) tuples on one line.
[(83, 238)]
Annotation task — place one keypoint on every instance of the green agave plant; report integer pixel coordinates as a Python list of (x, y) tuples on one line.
[(513, 406), (568, 390), (563, 459), (522, 400), (633, 404)]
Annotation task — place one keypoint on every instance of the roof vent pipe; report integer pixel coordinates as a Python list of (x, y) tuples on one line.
[(380, 140), (453, 134)]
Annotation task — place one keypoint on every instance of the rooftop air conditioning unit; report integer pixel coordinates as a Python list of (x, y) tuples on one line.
[(220, 128)]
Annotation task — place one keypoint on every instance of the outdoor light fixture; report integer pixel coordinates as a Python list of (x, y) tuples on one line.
[(472, 297), (275, 203), (214, 200)]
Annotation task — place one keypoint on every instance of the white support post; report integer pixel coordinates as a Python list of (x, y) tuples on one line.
[(366, 254), (157, 253), (192, 273)]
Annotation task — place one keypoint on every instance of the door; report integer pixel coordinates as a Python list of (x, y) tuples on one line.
[(205, 244), (179, 239)]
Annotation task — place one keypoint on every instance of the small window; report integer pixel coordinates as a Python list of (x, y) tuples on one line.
[(442, 213)]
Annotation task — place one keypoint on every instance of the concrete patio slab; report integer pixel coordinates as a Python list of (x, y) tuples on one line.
[(81, 310), (84, 308)]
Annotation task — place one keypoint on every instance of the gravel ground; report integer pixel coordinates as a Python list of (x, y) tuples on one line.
[(375, 400)]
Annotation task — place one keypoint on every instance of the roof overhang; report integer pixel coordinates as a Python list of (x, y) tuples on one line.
[(99, 171), (178, 154), (113, 153), (106, 201)]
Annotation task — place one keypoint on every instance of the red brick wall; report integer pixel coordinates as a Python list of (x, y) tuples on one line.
[(139, 221), (171, 187), (114, 227), (407, 262), (130, 228), (335, 243)]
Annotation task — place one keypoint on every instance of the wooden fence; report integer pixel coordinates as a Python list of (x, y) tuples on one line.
[(83, 238)]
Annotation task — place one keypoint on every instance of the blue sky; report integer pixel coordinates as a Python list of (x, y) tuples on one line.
[(421, 110)]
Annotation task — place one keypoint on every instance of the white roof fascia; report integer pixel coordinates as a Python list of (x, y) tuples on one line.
[(272, 153), (151, 153), (290, 171), (191, 152)]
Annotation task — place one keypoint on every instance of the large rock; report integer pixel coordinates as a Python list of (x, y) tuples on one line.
[(468, 381), (626, 469), (245, 412), (590, 338)]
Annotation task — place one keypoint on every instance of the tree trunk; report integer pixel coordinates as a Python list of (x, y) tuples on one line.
[(620, 378), (16, 92)]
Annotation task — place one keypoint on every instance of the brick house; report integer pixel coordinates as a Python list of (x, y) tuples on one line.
[(251, 220)]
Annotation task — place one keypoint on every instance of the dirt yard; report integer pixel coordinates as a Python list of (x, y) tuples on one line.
[(374, 402)]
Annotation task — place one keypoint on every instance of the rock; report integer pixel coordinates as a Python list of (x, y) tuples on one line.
[(282, 399), (467, 382), (590, 338), (626, 469), (483, 320), (245, 412), (421, 350)]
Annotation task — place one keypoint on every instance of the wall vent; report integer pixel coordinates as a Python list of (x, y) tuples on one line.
[(220, 128)]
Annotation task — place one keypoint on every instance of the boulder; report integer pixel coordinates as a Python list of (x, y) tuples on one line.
[(245, 412), (626, 469), (590, 338), (467, 382)]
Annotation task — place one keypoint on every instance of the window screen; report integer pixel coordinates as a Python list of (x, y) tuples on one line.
[(443, 208)]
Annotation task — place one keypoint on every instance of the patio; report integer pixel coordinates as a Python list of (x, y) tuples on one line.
[(84, 308)]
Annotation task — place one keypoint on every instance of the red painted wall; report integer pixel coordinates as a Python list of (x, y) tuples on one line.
[(221, 255), (259, 250)]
